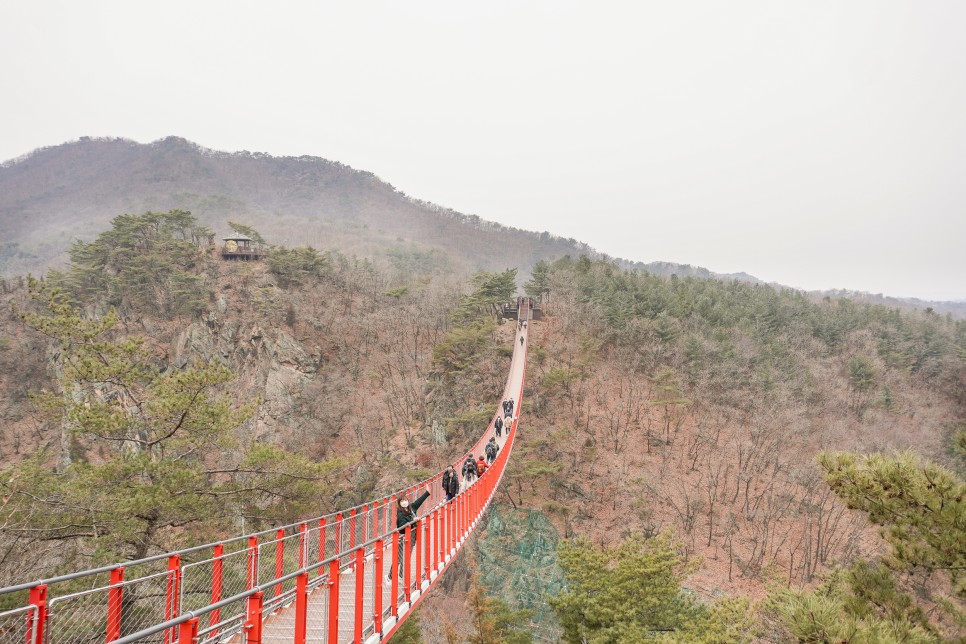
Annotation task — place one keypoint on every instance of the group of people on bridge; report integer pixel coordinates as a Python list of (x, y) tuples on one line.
[(473, 468)]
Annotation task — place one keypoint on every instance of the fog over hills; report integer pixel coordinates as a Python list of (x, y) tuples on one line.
[(56, 195)]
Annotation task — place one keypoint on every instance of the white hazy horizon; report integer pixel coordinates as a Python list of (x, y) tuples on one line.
[(818, 144)]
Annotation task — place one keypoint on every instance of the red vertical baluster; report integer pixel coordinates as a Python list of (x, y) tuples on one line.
[(448, 537), (405, 563), (334, 601), (338, 534), (378, 557), (172, 593), (459, 515), (301, 607), (253, 623), (394, 573), (321, 545), (251, 579), (360, 590), (279, 559), (364, 533), (303, 533), (424, 528), (391, 514), (439, 526), (114, 603), (417, 541), (37, 619), (217, 575), (352, 528)]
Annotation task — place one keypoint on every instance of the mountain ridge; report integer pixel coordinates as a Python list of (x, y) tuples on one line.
[(53, 195)]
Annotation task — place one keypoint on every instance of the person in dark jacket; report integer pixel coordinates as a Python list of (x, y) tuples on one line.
[(498, 426), (451, 483), (469, 470), (406, 516), (491, 450)]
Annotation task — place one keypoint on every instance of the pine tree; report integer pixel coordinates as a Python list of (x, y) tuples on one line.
[(920, 505), (632, 593), (860, 605), (493, 621)]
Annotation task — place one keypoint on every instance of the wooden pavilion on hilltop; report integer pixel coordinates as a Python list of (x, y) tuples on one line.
[(241, 248)]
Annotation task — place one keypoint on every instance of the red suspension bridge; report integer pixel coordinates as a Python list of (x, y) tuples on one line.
[(330, 579)]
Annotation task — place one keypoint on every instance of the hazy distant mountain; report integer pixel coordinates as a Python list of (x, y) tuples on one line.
[(55, 195)]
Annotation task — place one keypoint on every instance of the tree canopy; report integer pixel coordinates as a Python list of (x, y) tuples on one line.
[(147, 263), (632, 593), (920, 505)]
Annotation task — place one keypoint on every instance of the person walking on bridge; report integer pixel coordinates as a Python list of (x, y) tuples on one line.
[(491, 450), (451, 483), (481, 466), (498, 426), (406, 516), (469, 470)]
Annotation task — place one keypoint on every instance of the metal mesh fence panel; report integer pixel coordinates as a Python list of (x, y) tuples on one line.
[(14, 624), (347, 599), (317, 619), (276, 559), (199, 579), (228, 626)]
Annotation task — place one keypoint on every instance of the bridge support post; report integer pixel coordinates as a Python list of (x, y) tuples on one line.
[(452, 523), (172, 593), (417, 540), (253, 622), (360, 591), (37, 620), (217, 576), (321, 569), (251, 579), (425, 528), (352, 528), (405, 563), (303, 544), (460, 510), (394, 573), (279, 558), (440, 539), (378, 556), (301, 607), (334, 601), (338, 534), (114, 603)]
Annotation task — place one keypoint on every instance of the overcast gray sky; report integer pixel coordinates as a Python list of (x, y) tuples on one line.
[(818, 144)]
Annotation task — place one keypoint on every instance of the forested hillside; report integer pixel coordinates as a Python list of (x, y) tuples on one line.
[(698, 407), (706, 435)]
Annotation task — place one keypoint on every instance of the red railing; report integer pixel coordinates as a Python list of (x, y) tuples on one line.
[(321, 580)]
